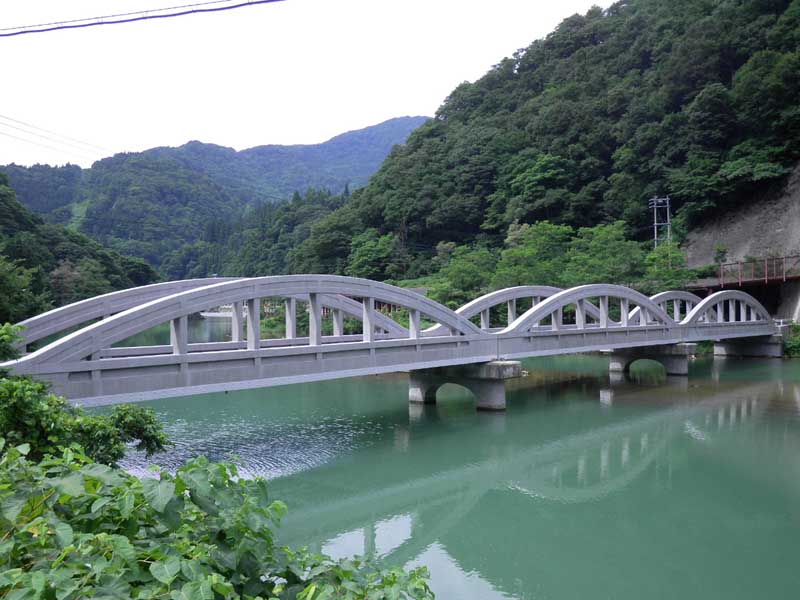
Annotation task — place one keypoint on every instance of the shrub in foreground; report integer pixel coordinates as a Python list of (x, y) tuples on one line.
[(30, 414), (71, 528)]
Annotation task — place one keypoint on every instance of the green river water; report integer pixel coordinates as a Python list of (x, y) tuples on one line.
[(584, 488)]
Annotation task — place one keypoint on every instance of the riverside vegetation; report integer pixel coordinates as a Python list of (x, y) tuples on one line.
[(72, 525), (536, 173)]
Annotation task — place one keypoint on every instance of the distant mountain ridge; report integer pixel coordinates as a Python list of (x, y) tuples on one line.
[(151, 203), (348, 159)]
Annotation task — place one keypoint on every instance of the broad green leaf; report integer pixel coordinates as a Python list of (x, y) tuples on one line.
[(12, 506), (24, 449), (166, 571), (104, 473), (100, 503), (158, 493), (125, 503), (194, 590), (64, 534), (123, 548), (71, 485)]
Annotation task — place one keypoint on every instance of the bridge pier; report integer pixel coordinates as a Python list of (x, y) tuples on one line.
[(486, 381), (768, 346), (674, 358)]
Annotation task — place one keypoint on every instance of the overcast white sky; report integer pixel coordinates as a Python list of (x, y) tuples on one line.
[(293, 72)]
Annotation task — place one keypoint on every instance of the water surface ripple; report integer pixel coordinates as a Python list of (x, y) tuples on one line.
[(585, 488)]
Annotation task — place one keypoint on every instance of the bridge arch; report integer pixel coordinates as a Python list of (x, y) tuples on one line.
[(727, 306), (508, 296), (682, 303), (580, 296), (65, 317), (100, 335)]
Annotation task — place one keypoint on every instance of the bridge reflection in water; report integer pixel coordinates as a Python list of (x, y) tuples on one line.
[(570, 494), (673, 488)]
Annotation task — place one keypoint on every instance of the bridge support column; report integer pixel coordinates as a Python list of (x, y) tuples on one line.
[(769, 346), (674, 357), (486, 381), (236, 322)]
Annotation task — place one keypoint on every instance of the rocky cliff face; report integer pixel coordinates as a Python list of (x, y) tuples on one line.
[(767, 227)]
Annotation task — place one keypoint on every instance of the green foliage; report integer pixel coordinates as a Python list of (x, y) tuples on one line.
[(791, 344), (601, 255), (75, 529), (42, 265), (10, 338), (698, 100), (30, 414), (20, 297), (466, 276), (666, 270), (533, 254), (372, 255), (548, 254), (154, 204)]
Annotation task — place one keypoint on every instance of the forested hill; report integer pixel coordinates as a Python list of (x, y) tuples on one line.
[(698, 99), (152, 203), (44, 265)]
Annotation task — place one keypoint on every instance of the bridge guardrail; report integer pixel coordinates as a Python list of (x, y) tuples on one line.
[(761, 270)]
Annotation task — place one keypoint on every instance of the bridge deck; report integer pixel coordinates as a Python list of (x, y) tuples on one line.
[(84, 365)]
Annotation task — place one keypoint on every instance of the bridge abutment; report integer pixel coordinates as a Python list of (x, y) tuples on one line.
[(769, 346), (486, 381), (674, 358)]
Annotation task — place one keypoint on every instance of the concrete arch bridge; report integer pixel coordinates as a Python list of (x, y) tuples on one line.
[(462, 345)]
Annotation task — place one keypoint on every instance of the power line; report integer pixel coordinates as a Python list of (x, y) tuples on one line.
[(45, 137), (62, 150), (127, 14), (71, 139), (186, 9)]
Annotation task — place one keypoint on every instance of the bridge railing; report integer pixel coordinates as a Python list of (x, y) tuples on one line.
[(90, 363), (761, 270)]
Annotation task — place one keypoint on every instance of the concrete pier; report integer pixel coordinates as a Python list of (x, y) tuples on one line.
[(486, 381), (768, 346), (674, 358)]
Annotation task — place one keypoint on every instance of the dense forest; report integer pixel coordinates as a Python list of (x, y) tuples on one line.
[(153, 203), (538, 169), (694, 99), (44, 265), (697, 99)]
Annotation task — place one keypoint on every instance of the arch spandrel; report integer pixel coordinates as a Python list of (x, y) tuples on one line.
[(706, 306), (668, 296), (498, 297), (572, 295), (64, 317)]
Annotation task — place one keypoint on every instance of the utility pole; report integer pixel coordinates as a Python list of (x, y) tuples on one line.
[(661, 218)]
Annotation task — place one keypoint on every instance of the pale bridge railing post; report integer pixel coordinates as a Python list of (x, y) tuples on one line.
[(254, 324), (368, 328), (314, 320), (413, 324), (236, 322), (338, 322), (290, 307), (179, 335)]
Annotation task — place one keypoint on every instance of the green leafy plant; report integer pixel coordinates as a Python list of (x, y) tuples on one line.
[(30, 414), (73, 529), (10, 339), (791, 344)]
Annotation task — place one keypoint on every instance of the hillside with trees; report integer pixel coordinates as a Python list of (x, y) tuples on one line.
[(551, 156), (150, 204), (44, 265), (547, 162), (694, 99)]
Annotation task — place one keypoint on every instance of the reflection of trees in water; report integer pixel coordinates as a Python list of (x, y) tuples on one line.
[(580, 468)]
